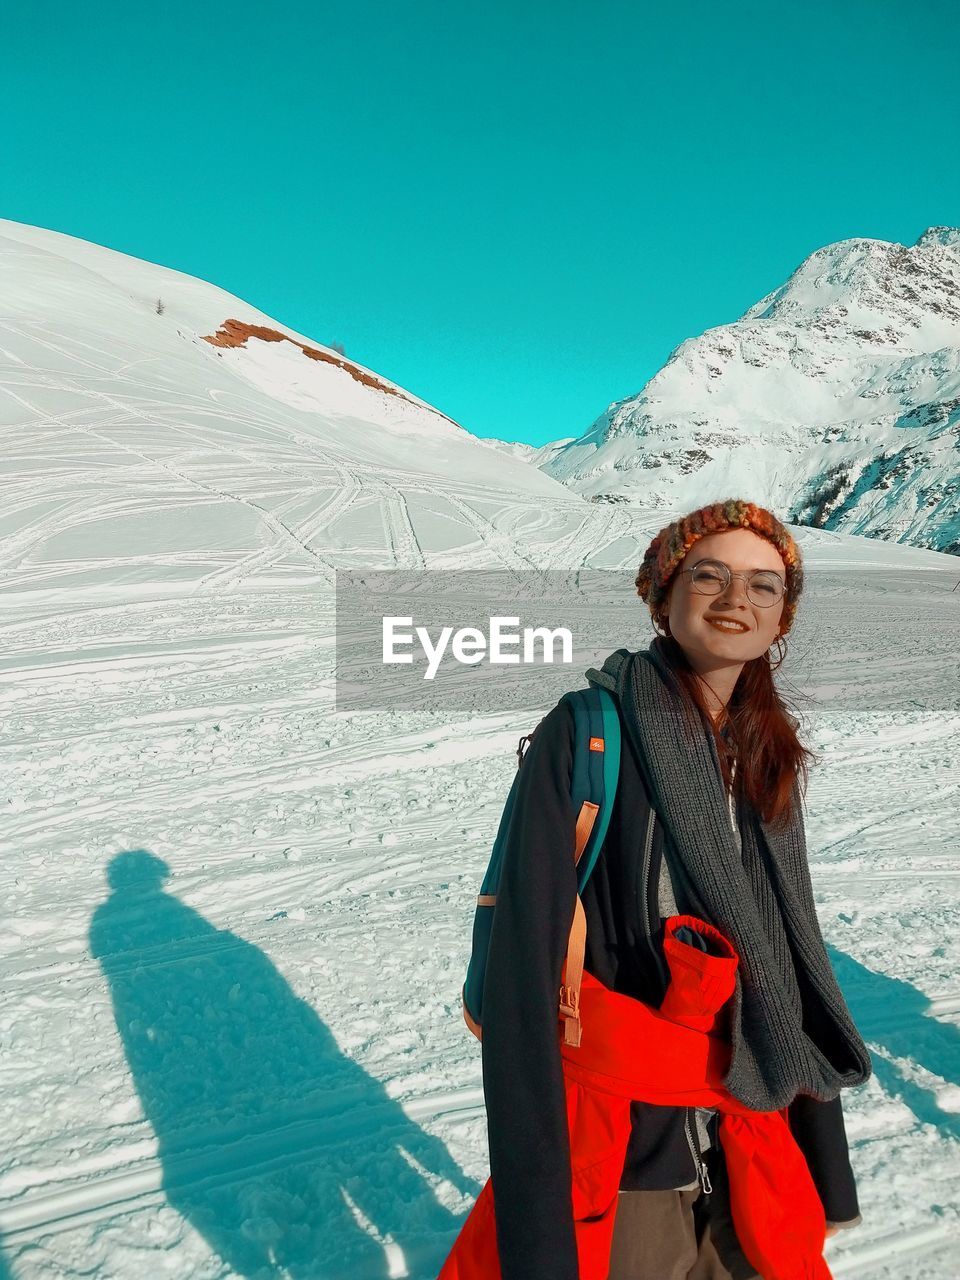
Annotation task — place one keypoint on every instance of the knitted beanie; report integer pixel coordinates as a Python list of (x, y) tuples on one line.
[(668, 549)]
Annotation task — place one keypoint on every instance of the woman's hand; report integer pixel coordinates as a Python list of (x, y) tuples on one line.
[(831, 1231)]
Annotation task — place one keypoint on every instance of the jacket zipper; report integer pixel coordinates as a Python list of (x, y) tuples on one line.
[(646, 881), (701, 1167)]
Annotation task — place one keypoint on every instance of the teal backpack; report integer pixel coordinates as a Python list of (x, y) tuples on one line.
[(593, 784)]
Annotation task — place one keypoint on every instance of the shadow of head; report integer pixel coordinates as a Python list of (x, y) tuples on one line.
[(137, 871)]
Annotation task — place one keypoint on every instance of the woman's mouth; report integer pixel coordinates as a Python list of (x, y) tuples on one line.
[(729, 625)]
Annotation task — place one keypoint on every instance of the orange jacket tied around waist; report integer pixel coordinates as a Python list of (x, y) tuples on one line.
[(676, 1055)]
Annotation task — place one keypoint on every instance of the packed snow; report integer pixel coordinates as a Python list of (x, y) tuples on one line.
[(234, 923)]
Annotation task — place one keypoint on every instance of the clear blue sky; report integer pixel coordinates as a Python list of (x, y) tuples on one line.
[(516, 210)]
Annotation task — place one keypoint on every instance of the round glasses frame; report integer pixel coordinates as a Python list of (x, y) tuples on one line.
[(751, 578)]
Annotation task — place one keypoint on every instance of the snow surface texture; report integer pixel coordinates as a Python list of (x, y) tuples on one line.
[(233, 925), (836, 400)]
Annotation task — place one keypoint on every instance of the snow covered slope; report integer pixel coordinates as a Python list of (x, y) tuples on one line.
[(536, 456), (233, 923), (204, 443), (835, 400)]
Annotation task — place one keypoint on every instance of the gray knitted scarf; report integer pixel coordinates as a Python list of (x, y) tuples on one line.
[(760, 898)]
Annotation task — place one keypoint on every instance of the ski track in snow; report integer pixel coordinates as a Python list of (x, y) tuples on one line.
[(257, 1065)]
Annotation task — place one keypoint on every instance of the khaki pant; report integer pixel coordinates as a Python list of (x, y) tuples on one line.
[(678, 1235)]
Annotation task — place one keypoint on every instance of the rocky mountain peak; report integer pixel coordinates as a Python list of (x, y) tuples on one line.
[(948, 236), (835, 400)]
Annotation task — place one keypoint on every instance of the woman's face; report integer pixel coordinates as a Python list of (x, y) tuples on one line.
[(694, 617)]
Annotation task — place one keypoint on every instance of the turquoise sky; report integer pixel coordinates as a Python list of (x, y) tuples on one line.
[(515, 210)]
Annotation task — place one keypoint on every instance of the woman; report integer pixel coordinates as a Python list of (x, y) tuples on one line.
[(706, 823)]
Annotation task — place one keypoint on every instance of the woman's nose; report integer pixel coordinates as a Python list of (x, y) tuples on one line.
[(734, 592)]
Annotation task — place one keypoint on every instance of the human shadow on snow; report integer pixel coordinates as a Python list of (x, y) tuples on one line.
[(5, 1272), (275, 1146), (895, 1015)]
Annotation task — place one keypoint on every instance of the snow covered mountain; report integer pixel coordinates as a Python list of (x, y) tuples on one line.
[(835, 400), (537, 456), (157, 430)]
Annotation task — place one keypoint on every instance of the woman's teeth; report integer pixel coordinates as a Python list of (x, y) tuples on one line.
[(727, 625)]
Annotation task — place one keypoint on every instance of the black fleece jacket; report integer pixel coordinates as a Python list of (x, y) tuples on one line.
[(522, 1074)]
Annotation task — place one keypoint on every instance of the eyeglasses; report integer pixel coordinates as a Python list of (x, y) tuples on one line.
[(709, 577)]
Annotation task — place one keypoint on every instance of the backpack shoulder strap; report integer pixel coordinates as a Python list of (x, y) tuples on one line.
[(596, 770)]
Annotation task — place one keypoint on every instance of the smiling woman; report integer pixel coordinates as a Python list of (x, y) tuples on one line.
[(723, 612), (692, 1127)]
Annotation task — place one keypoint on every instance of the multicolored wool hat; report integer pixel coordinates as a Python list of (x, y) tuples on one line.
[(668, 549)]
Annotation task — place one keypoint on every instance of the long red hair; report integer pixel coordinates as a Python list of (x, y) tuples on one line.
[(761, 735)]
